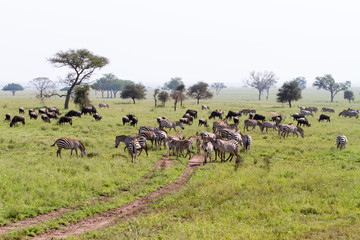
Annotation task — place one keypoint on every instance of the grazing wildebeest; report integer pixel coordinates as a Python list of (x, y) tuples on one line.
[(259, 117), (296, 116), (205, 107), (324, 117), (232, 114), (97, 117), (104, 105), (306, 112), (186, 115), (185, 121), (17, 119), (73, 113), (133, 121), (64, 120), (125, 119), (88, 110), (303, 121), (33, 115), (203, 121), (279, 117), (54, 109), (192, 112), (7, 117), (45, 118), (21, 110), (236, 120), (216, 113), (52, 115), (43, 111), (325, 109)]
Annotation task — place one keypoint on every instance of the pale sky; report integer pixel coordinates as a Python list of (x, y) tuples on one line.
[(198, 40)]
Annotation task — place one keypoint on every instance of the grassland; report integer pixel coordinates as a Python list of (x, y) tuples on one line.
[(284, 189)]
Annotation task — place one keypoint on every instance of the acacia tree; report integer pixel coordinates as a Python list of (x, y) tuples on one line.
[(82, 63), (155, 95), (301, 82), (133, 91), (261, 81), (328, 83), (173, 83), (349, 95), (43, 85), (164, 97), (13, 87), (218, 86), (199, 91), (82, 96), (177, 94), (289, 91)]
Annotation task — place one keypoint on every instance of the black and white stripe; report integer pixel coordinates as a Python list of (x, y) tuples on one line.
[(69, 143), (170, 124), (134, 148), (341, 141)]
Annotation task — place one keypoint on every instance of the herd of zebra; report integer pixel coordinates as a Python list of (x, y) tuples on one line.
[(225, 138)]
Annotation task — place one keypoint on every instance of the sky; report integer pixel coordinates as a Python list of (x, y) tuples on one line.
[(198, 40)]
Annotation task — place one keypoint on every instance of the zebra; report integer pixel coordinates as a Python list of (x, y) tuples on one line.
[(69, 143), (133, 148), (208, 149), (149, 128), (204, 107), (218, 123), (305, 112), (181, 145), (247, 140), (127, 139), (227, 133), (204, 135), (251, 123), (230, 146), (286, 129), (269, 124), (149, 135), (104, 105), (161, 136), (170, 124), (341, 142)]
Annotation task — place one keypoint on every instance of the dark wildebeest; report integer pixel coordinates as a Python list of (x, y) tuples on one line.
[(97, 117), (33, 115), (186, 115), (325, 109), (52, 115), (274, 118), (324, 117), (7, 117), (45, 118), (125, 119), (21, 110), (205, 107), (236, 120), (303, 121), (232, 114), (203, 121), (73, 113), (54, 109), (104, 105), (296, 116), (216, 113), (185, 121), (17, 119), (89, 110), (64, 120), (259, 117), (134, 120), (43, 111), (192, 112)]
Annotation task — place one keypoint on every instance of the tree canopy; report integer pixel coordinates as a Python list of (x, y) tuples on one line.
[(82, 96), (43, 85), (261, 81), (82, 64), (301, 82), (218, 86), (349, 95), (173, 83), (289, 92), (133, 91), (178, 94), (199, 91), (328, 83), (110, 84), (13, 87), (164, 97)]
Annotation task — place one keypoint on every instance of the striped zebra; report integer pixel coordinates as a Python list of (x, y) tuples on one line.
[(148, 128), (134, 148), (218, 123), (251, 123), (180, 145), (170, 124), (127, 139), (161, 137), (229, 134), (149, 135), (269, 124), (247, 140), (69, 143), (286, 129), (208, 149), (341, 142), (230, 146), (204, 135)]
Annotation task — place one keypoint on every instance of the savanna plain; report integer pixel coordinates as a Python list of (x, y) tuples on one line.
[(292, 188)]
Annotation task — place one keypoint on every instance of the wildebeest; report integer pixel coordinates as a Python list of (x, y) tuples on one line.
[(306, 112), (88, 110), (21, 110), (325, 109), (259, 117), (236, 120), (203, 121), (104, 105), (52, 115), (188, 116), (17, 119), (205, 107), (64, 120), (192, 112), (54, 109), (125, 119), (232, 114), (97, 117), (296, 116), (324, 117), (303, 121), (45, 118), (216, 113), (33, 115), (7, 117), (274, 118), (43, 111), (73, 113), (133, 121), (185, 121)]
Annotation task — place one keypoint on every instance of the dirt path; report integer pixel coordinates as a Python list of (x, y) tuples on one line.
[(161, 164), (103, 219)]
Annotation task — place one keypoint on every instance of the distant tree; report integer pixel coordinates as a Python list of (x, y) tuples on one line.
[(199, 91), (177, 94), (13, 87), (155, 95), (82, 96), (133, 91), (218, 86), (82, 63), (164, 97), (301, 82), (349, 95), (43, 85), (173, 83), (328, 83), (261, 81), (289, 91), (181, 91), (110, 84)]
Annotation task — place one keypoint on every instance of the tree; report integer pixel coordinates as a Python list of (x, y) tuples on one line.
[(328, 83), (289, 91), (133, 91), (13, 87), (155, 95), (173, 83), (349, 95), (82, 96), (110, 84), (261, 81), (82, 63), (218, 86), (199, 91), (301, 82), (164, 97), (43, 85), (177, 94)]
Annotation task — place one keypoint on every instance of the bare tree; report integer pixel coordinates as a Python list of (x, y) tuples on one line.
[(177, 94), (218, 86), (43, 85), (156, 92), (261, 81)]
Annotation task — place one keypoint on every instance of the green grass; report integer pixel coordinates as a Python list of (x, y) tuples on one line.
[(290, 188)]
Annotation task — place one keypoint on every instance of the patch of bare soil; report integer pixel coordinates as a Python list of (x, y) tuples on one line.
[(128, 210), (162, 163)]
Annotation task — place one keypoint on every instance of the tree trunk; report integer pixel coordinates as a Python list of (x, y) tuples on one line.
[(102, 94), (41, 93), (259, 95), (198, 100), (67, 99), (289, 103), (181, 102), (133, 100), (13, 92), (332, 96), (155, 102), (175, 105)]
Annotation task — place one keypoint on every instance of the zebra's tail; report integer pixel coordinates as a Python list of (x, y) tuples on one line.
[(53, 144)]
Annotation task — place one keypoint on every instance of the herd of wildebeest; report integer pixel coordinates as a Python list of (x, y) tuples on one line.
[(225, 137)]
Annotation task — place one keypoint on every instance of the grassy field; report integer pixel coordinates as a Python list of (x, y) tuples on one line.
[(292, 188)]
